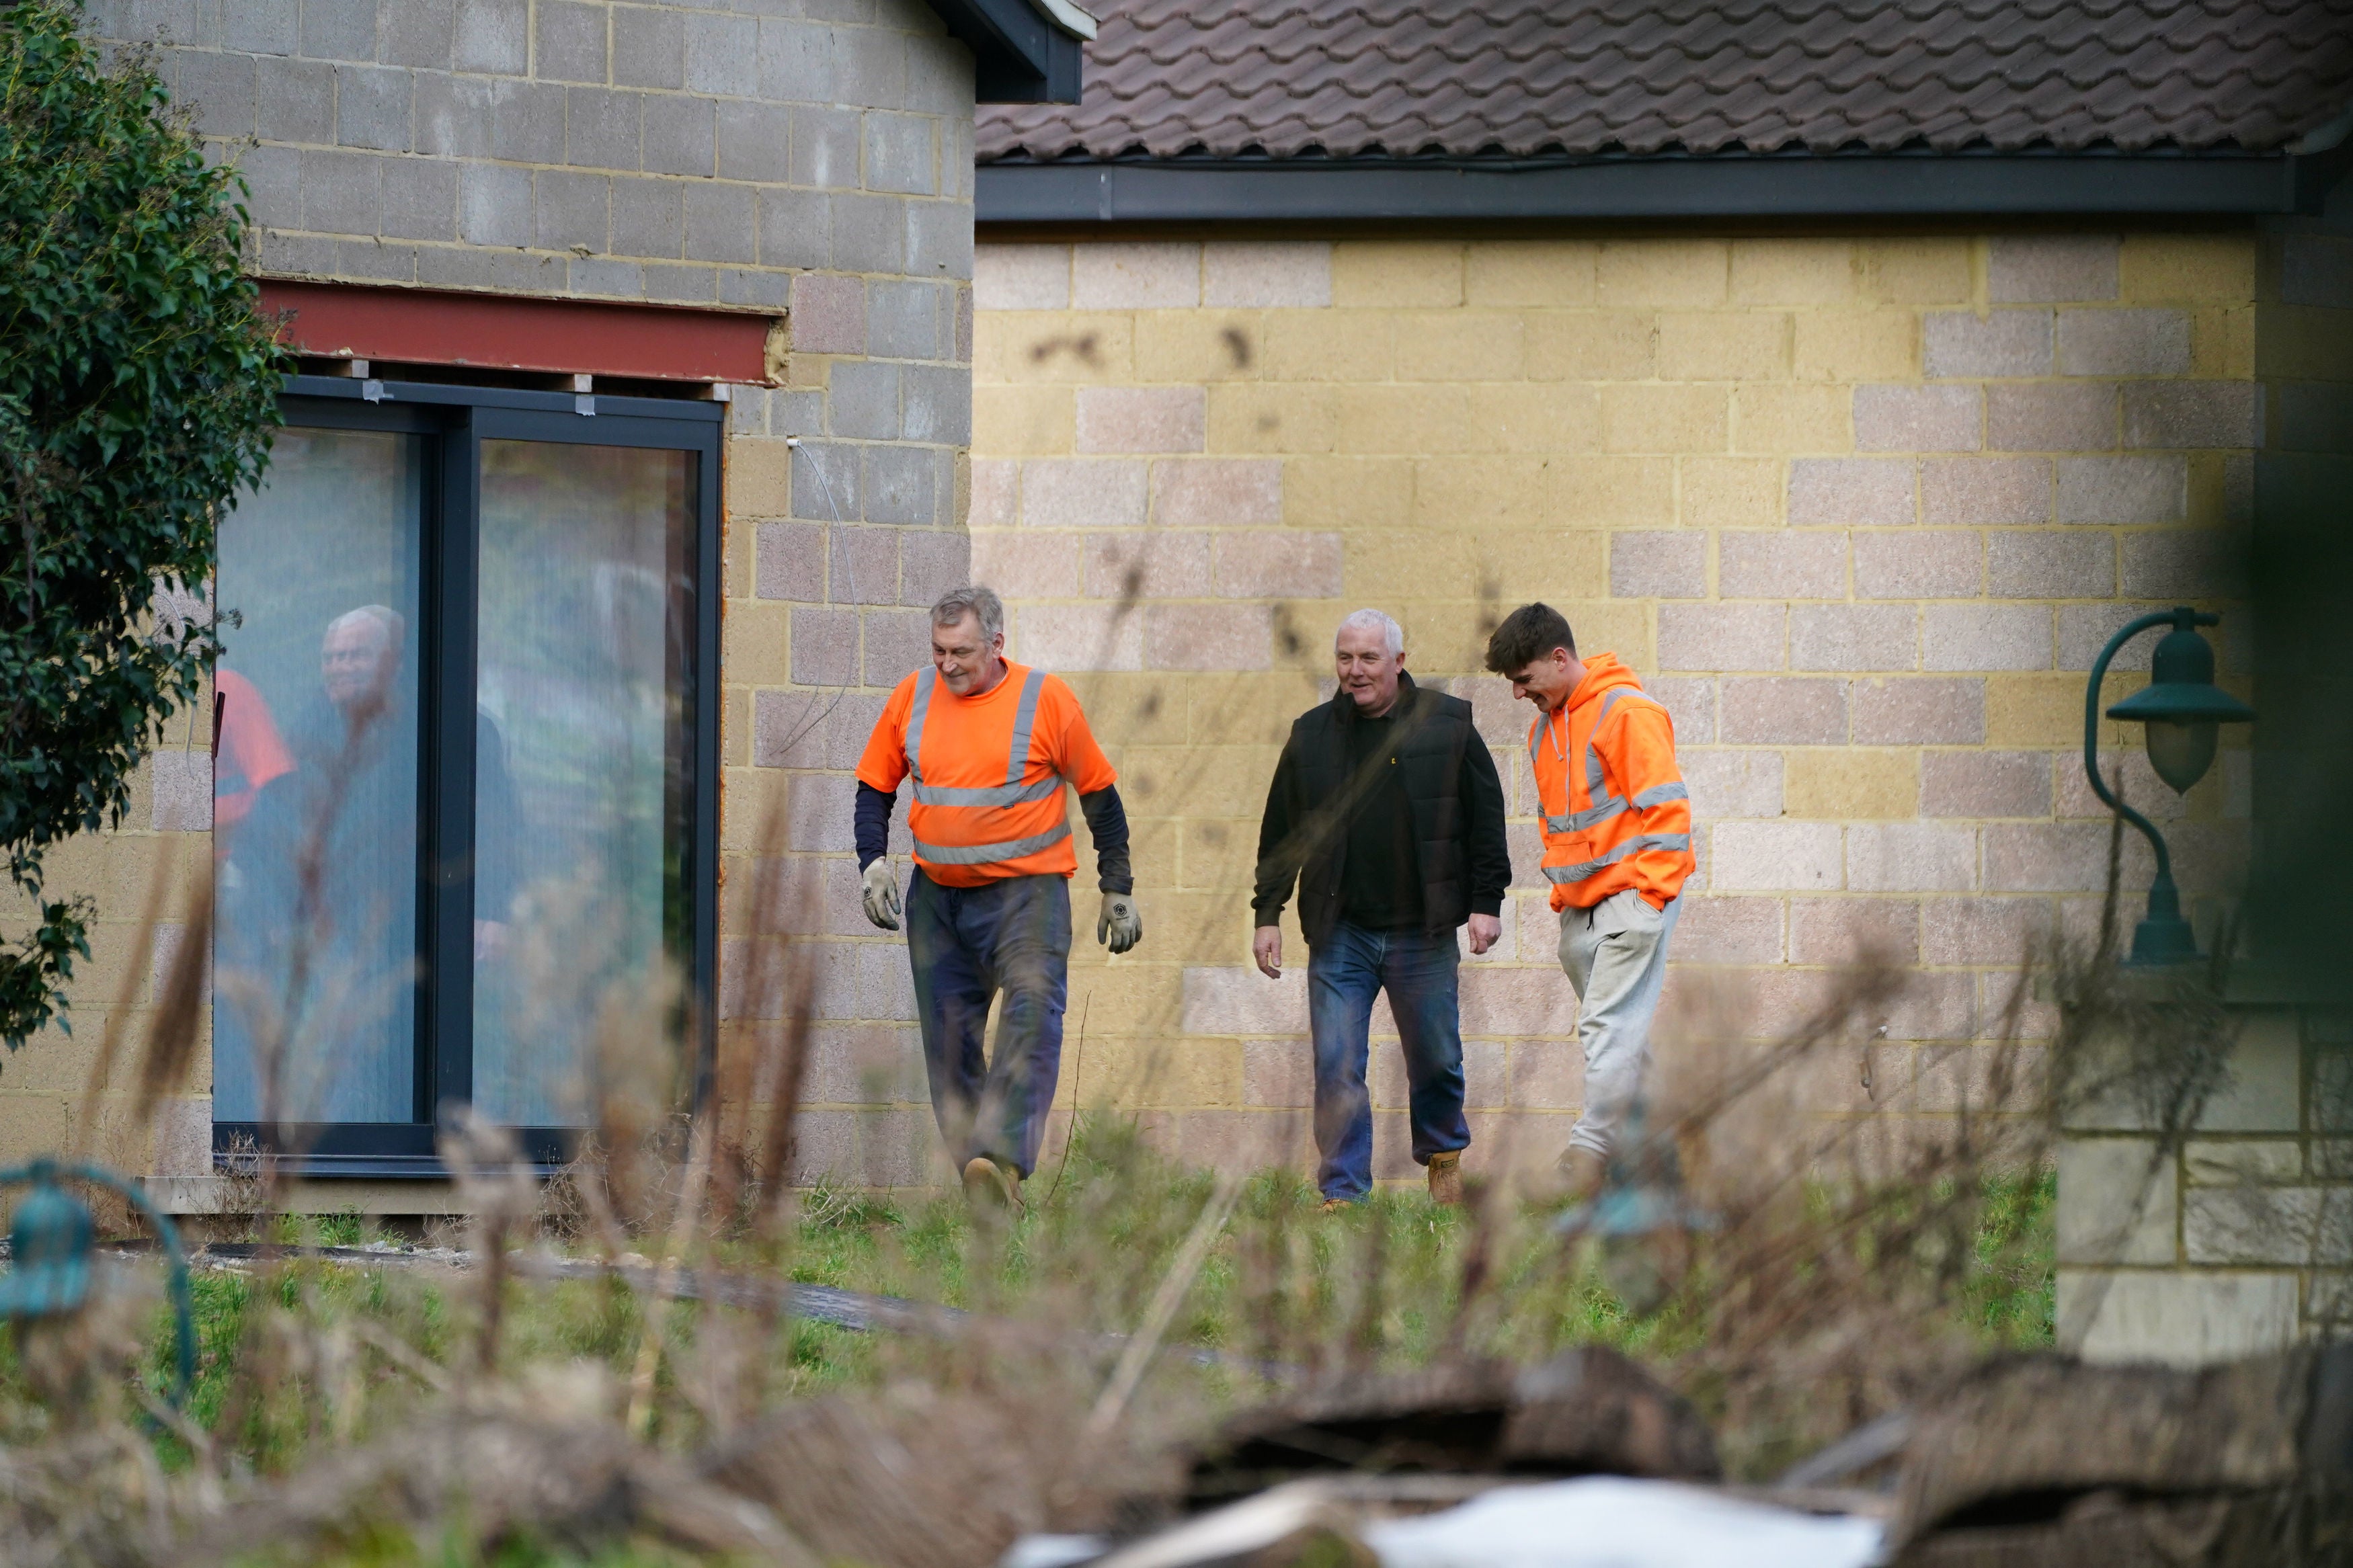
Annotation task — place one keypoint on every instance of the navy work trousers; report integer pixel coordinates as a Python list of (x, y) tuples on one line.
[(1344, 971), (966, 944)]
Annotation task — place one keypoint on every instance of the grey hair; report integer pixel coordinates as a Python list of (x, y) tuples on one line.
[(1392, 634), (386, 619), (973, 600)]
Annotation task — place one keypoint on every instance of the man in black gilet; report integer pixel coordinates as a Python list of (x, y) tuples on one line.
[(1387, 811)]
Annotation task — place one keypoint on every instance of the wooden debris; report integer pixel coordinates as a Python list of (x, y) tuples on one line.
[(2044, 1462), (1585, 1412)]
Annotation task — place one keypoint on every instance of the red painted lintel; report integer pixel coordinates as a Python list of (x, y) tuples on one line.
[(507, 332)]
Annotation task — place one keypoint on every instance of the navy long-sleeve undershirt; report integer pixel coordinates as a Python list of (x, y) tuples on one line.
[(1106, 824)]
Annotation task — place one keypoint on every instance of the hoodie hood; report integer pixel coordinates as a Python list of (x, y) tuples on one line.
[(1603, 674)]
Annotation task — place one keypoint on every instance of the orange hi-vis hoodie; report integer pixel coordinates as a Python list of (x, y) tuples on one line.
[(1616, 814)]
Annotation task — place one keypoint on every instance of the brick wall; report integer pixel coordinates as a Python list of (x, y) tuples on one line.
[(815, 166), (1862, 513)]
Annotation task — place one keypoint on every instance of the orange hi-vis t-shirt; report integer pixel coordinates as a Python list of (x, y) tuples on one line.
[(988, 773)]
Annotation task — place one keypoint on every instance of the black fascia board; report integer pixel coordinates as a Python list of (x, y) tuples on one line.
[(1743, 186), (1018, 55)]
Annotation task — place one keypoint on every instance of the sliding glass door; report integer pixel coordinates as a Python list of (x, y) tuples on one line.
[(586, 607), (464, 761), (315, 784)]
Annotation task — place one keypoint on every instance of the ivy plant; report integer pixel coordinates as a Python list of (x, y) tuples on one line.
[(137, 397)]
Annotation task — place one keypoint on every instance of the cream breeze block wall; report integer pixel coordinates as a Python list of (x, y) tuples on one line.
[(1862, 513)]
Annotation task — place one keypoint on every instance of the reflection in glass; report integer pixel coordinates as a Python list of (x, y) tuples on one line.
[(315, 784), (581, 783)]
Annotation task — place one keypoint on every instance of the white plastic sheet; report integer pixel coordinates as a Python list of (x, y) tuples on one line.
[(1607, 1521)]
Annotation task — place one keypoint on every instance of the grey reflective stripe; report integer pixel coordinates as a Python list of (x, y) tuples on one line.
[(1615, 853), (1593, 780), (985, 853), (922, 705), (995, 795), (1012, 792), (1536, 731), (1025, 719), (1603, 806), (1593, 816)]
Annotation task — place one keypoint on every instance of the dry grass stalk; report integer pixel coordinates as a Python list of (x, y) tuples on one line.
[(1822, 1285), (537, 1462), (628, 1163), (1174, 1285), (495, 1183), (171, 1050), (669, 1266), (117, 1017)]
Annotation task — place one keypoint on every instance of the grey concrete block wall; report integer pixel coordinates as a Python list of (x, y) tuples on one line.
[(816, 163)]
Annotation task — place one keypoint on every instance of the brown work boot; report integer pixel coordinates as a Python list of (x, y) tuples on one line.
[(1446, 1178), (1338, 1205), (1581, 1173), (990, 1189)]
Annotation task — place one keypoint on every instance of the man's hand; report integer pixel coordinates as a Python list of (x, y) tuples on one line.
[(1485, 931), (881, 891), (1266, 947), (1120, 924)]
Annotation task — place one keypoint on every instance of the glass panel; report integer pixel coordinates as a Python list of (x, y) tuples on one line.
[(583, 779), (315, 784)]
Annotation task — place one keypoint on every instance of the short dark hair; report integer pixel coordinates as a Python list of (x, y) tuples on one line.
[(1527, 634)]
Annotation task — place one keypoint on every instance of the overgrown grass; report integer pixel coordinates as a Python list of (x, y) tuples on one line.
[(301, 1357), (919, 1246), (2013, 1285), (1085, 1261)]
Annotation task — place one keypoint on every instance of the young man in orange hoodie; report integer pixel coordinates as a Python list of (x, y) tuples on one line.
[(1616, 836)]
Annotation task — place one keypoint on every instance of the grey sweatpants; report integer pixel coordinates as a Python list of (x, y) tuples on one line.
[(1616, 955)]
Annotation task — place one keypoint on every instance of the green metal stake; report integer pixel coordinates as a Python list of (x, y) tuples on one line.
[(50, 1243)]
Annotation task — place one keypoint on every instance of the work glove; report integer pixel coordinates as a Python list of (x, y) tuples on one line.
[(881, 893), (1120, 924)]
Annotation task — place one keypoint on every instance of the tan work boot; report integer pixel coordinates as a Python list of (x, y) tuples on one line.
[(1446, 1178), (1581, 1173), (1338, 1205), (990, 1189)]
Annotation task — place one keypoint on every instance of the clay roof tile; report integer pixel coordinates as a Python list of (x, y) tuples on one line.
[(1526, 76)]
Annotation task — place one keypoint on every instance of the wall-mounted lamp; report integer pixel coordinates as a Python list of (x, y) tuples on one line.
[(2183, 710)]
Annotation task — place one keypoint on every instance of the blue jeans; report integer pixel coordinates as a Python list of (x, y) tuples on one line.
[(1344, 971), (966, 944)]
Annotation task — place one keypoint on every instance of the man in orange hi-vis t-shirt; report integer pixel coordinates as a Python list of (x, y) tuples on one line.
[(989, 746), (1617, 837)]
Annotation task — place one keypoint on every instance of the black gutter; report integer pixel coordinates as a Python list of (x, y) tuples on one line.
[(1019, 56), (1745, 185)]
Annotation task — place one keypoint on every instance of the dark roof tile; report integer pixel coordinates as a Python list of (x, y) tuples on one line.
[(1527, 77)]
